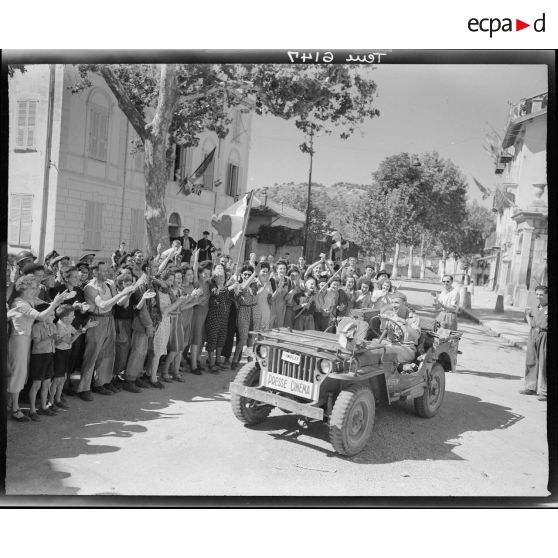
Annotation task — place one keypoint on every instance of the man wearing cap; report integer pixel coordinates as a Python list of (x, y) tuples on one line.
[(205, 247), (401, 339)]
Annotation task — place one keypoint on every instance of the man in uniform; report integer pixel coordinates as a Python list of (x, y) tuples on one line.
[(535, 361)]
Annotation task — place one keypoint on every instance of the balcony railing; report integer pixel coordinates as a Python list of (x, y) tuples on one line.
[(529, 106)]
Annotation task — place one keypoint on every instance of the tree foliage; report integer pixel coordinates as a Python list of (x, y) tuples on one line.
[(198, 97), (331, 208)]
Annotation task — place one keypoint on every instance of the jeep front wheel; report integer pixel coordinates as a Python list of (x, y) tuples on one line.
[(428, 404), (352, 420), (246, 410)]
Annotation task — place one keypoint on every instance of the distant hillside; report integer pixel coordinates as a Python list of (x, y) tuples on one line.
[(336, 202)]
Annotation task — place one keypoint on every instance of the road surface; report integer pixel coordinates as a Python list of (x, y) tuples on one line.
[(487, 440)]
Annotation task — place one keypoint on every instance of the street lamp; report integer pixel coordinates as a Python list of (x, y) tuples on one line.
[(309, 204)]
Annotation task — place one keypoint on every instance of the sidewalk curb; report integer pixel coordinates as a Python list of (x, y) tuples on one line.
[(470, 314)]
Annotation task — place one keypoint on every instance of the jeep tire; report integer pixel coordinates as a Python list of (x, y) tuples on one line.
[(352, 419), (429, 403), (246, 410)]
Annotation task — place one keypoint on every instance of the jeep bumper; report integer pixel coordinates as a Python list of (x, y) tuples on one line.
[(269, 398)]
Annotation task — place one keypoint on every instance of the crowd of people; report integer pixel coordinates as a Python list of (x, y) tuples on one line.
[(134, 323)]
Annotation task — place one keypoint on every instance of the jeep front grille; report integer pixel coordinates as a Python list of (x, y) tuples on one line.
[(303, 371)]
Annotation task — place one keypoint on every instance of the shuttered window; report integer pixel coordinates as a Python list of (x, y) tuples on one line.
[(98, 133), (93, 225), (26, 120), (208, 174), (20, 219), (137, 229), (232, 180)]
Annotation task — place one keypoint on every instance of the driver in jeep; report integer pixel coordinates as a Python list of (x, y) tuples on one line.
[(402, 331)]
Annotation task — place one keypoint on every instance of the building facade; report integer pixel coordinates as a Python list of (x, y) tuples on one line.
[(518, 248), (90, 195)]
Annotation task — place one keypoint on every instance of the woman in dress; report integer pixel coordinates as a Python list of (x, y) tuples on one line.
[(217, 318), (364, 295), (202, 271), (21, 316), (294, 287), (264, 293), (186, 288), (305, 306), (382, 297), (350, 291), (165, 305), (279, 296), (249, 317)]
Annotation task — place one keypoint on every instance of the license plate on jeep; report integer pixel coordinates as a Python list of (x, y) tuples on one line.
[(289, 385), (290, 357)]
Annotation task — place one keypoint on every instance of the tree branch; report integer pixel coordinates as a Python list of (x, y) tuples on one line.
[(128, 108)]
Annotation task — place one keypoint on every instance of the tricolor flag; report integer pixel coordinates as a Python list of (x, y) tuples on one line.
[(486, 193), (231, 223)]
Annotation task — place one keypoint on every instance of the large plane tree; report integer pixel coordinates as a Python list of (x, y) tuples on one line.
[(171, 104)]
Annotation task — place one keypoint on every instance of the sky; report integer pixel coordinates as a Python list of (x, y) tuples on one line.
[(447, 108)]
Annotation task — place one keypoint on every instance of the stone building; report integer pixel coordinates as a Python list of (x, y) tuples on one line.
[(90, 195), (518, 249)]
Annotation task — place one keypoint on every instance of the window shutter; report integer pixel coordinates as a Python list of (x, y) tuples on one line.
[(31, 123), (208, 175), (20, 219), (93, 133), (93, 225), (26, 220), (21, 122), (232, 180), (14, 219), (103, 137)]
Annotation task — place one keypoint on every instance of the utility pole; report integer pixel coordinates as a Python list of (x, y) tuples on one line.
[(48, 148), (309, 205)]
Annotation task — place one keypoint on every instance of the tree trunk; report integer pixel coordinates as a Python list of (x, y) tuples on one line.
[(410, 268), (383, 260), (395, 270), (443, 262), (422, 259), (156, 168)]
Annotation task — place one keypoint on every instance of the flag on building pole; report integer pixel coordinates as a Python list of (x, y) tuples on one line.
[(486, 193), (230, 225), (186, 185)]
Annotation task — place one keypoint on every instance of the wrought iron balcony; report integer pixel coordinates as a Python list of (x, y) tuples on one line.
[(524, 110)]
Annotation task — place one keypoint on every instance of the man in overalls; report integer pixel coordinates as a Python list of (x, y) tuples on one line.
[(100, 344)]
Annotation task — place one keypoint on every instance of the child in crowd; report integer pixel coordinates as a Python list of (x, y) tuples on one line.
[(65, 336), (41, 369)]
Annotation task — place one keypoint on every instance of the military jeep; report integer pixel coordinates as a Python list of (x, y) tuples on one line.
[(310, 374)]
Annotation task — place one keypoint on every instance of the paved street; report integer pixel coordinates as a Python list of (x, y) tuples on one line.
[(487, 440)]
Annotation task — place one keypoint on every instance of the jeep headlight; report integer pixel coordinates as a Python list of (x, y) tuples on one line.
[(262, 351), (325, 366)]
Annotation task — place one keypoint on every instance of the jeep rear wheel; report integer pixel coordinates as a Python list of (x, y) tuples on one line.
[(352, 420), (247, 410), (428, 404)]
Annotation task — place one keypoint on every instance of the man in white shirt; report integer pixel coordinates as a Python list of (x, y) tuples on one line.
[(447, 304)]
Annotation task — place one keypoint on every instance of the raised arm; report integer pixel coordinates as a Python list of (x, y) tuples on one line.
[(93, 298)]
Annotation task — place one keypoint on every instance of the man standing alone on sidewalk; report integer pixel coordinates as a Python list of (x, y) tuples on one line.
[(447, 304), (535, 361)]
